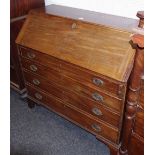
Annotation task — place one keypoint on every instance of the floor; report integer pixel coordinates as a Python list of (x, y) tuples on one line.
[(39, 131)]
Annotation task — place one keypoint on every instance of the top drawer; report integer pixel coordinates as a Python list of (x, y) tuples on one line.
[(86, 77), (40, 57)]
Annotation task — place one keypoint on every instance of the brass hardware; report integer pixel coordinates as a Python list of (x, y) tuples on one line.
[(74, 26), (96, 127), (31, 55), (33, 68), (38, 96), (97, 111), (98, 82), (36, 82), (97, 97)]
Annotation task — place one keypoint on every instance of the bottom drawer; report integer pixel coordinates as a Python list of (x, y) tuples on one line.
[(89, 123)]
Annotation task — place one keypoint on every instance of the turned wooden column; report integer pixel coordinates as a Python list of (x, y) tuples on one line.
[(140, 14), (132, 95), (133, 91)]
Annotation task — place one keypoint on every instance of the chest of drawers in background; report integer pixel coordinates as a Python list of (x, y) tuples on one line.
[(133, 128), (18, 11), (78, 70)]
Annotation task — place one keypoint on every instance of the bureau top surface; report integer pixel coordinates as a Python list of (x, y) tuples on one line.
[(93, 17), (93, 46)]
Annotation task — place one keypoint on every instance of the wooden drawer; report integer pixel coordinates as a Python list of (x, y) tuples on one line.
[(99, 97), (83, 76), (50, 74), (136, 145), (75, 99), (89, 123), (93, 80), (141, 94), (139, 124), (40, 58), (46, 86)]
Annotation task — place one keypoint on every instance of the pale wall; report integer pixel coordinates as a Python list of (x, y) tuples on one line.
[(126, 8)]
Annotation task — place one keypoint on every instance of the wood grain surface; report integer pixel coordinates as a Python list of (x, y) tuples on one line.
[(75, 72), (98, 48), (22, 7), (73, 114), (80, 70)]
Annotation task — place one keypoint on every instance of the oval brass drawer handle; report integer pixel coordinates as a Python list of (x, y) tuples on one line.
[(97, 111), (97, 97), (38, 96), (31, 55), (33, 68), (98, 82), (36, 82), (96, 127)]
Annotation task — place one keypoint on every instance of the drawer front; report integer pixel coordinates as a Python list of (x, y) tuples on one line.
[(136, 145), (39, 82), (55, 77), (97, 110), (141, 94), (139, 124), (40, 58), (93, 80), (50, 74), (72, 114), (94, 95), (86, 77), (74, 99)]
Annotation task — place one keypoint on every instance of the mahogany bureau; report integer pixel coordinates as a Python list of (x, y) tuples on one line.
[(78, 68)]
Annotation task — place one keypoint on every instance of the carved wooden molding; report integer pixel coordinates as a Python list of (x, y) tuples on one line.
[(138, 39)]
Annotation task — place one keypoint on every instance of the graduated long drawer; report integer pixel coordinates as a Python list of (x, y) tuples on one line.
[(75, 99), (82, 75), (54, 76), (73, 114)]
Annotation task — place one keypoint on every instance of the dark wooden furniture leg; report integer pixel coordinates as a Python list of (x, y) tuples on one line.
[(114, 149), (31, 104)]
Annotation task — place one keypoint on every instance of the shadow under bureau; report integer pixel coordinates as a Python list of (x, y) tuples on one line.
[(78, 69)]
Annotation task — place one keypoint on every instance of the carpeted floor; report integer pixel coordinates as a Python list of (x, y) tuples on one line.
[(41, 132)]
